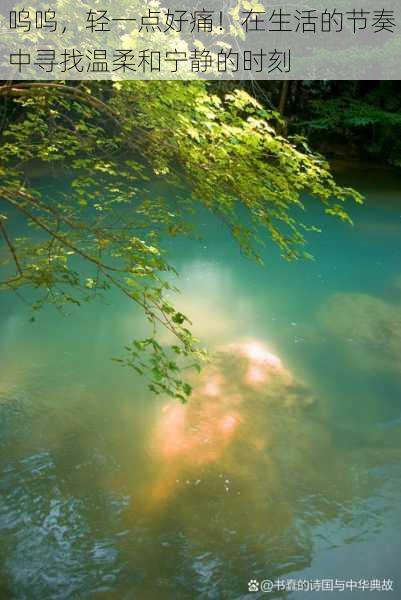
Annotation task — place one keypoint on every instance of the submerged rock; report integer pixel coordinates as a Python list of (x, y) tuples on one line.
[(231, 399)]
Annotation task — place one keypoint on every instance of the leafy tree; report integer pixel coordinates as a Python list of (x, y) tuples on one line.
[(364, 115), (139, 158)]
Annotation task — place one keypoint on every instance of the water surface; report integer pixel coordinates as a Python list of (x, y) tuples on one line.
[(286, 463)]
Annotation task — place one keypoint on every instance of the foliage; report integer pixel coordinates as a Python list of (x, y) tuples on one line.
[(140, 157), (364, 114), (345, 113)]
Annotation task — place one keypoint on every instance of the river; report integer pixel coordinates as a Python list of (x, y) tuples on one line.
[(285, 465)]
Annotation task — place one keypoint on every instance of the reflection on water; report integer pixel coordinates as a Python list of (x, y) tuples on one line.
[(287, 456)]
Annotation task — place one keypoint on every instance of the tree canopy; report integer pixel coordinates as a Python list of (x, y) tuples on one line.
[(137, 159)]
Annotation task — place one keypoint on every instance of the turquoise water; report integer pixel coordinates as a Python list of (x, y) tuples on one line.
[(286, 464)]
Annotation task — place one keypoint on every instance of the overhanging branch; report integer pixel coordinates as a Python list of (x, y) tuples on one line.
[(10, 247)]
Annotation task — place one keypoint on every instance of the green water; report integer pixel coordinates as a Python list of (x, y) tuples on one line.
[(292, 472)]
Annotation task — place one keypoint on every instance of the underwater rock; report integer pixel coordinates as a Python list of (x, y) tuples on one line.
[(244, 380), (370, 326)]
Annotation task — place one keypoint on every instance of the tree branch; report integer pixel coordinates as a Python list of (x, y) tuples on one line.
[(10, 247), (26, 89), (103, 268)]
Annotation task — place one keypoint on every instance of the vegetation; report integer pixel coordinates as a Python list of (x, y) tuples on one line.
[(346, 119), (138, 160)]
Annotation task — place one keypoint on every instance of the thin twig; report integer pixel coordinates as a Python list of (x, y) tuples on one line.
[(10, 247)]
